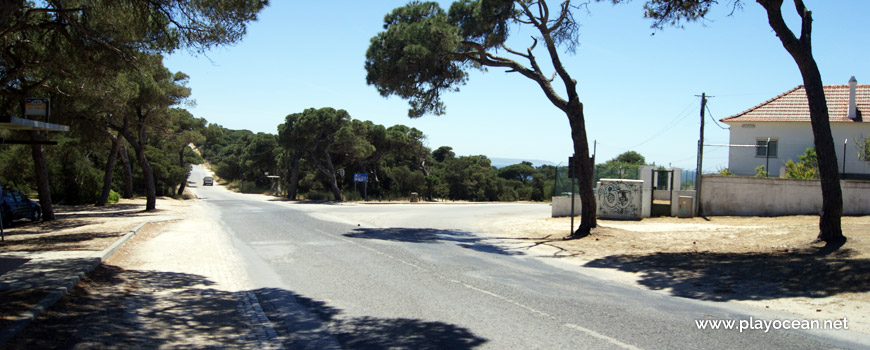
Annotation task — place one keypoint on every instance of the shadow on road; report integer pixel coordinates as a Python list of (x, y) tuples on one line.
[(807, 272), (313, 324), (429, 235), (115, 308)]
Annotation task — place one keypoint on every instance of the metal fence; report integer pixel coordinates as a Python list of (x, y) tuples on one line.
[(562, 186)]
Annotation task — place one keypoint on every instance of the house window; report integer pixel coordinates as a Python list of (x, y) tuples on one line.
[(763, 149)]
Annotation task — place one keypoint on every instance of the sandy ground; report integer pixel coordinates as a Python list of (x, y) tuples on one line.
[(767, 262), (85, 227), (176, 284)]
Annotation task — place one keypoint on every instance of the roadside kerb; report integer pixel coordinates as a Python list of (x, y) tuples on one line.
[(55, 294)]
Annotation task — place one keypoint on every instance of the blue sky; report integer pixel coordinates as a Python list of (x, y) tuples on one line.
[(638, 89)]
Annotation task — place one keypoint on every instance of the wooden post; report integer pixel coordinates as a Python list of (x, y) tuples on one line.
[(700, 158)]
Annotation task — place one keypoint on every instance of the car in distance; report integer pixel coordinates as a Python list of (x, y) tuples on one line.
[(208, 181), (15, 205)]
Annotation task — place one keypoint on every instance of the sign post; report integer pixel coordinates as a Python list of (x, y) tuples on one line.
[(364, 178), (2, 236), (572, 175)]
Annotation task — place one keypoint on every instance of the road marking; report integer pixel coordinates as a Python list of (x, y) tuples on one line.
[(585, 330), (601, 336)]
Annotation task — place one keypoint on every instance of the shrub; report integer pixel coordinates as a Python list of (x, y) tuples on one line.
[(317, 196), (113, 197)]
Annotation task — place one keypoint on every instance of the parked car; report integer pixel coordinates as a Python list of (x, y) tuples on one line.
[(208, 181), (15, 205)]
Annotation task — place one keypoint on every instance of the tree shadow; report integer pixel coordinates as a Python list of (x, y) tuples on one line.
[(57, 241), (429, 235), (27, 226), (120, 309), (315, 324), (305, 201), (806, 272), (107, 211), (11, 263)]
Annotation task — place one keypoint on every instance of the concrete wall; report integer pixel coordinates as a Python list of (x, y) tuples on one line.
[(750, 196), (648, 177), (561, 206), (793, 138)]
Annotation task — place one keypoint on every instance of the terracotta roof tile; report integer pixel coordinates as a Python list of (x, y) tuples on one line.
[(792, 106)]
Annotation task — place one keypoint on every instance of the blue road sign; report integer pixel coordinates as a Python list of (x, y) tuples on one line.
[(360, 177)]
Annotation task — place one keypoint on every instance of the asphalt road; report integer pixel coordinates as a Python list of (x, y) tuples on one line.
[(324, 282)]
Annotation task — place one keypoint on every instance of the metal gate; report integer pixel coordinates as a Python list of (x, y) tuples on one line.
[(661, 180)]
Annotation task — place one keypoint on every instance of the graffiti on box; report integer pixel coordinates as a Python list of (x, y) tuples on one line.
[(619, 199)]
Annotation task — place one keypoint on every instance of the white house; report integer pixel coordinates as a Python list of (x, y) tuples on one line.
[(785, 121)]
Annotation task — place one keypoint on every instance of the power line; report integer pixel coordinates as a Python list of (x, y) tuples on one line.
[(714, 119), (674, 122)]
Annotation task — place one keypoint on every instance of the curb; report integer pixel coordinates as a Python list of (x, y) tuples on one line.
[(54, 295)]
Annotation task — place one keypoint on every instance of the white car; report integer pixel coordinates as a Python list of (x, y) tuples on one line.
[(208, 181)]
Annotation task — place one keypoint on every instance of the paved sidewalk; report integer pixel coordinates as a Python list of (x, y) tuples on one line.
[(49, 273)]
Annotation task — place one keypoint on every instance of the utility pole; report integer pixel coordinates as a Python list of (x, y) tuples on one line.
[(845, 142), (767, 158), (700, 158)]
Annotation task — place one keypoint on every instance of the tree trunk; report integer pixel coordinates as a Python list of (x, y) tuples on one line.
[(584, 170), (186, 175), (147, 172), (329, 170), (830, 229), (42, 184), (294, 175), (110, 166), (128, 174)]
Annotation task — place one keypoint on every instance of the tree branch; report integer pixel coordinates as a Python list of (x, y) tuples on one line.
[(806, 23), (774, 17), (562, 17), (483, 58)]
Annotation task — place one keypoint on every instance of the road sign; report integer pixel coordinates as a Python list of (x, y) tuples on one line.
[(360, 177), (36, 106), (571, 169)]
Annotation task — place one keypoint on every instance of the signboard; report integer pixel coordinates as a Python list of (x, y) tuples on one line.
[(360, 177), (36, 107), (571, 168)]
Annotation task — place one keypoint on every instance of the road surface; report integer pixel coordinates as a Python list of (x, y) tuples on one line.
[(319, 279)]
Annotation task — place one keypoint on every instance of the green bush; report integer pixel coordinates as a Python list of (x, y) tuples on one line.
[(317, 196), (248, 187), (113, 196)]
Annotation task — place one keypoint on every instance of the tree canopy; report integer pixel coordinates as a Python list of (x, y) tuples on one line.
[(425, 51), (96, 59)]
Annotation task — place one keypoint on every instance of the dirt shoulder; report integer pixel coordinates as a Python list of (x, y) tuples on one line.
[(86, 227), (766, 262), (76, 232)]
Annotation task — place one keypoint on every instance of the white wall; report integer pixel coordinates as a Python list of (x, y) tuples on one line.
[(561, 206), (750, 196), (793, 139)]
